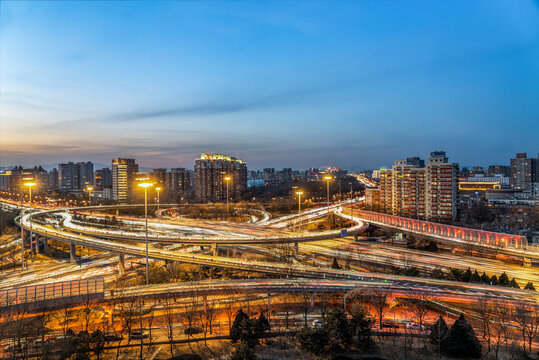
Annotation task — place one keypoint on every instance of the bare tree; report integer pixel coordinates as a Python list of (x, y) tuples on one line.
[(303, 300), (170, 318), (209, 314), (65, 316), (484, 309), (191, 315), (527, 319), (88, 314), (150, 317), (419, 305), (287, 307), (229, 306), (500, 324), (378, 299)]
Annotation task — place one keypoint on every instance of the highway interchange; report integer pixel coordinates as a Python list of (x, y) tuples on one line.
[(256, 237)]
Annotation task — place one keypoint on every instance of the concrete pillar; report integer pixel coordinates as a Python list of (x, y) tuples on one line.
[(214, 249), (121, 264), (117, 212), (452, 249), (296, 248), (37, 244), (312, 299), (46, 246), (356, 237), (222, 273), (72, 252), (526, 262)]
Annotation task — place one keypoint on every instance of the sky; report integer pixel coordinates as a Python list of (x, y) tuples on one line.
[(353, 84)]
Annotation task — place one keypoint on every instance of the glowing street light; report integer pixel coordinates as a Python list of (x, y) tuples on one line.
[(158, 189), (328, 179), (145, 186), (227, 179), (299, 193), (89, 189), (29, 185)]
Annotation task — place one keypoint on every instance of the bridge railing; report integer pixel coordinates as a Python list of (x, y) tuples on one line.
[(465, 235), (50, 291)]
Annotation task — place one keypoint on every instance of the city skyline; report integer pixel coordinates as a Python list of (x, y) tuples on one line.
[(174, 80)]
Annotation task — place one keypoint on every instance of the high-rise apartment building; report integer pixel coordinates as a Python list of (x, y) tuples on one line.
[(524, 172), (75, 176), (411, 189), (210, 173), (179, 183), (124, 172), (504, 170)]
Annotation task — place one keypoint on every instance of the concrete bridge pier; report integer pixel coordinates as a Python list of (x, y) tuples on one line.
[(46, 246), (214, 249), (312, 299), (37, 244), (296, 248), (356, 237), (72, 252), (526, 262), (121, 264)]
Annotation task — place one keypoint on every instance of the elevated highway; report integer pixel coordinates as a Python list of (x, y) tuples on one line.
[(508, 244)]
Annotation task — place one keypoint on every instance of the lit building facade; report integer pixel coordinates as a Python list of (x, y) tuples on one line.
[(524, 172), (210, 173), (413, 190), (124, 173)]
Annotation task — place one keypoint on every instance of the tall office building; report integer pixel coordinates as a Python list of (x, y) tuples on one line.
[(524, 172), (86, 174), (411, 189), (103, 178), (75, 176), (68, 177), (210, 173), (124, 172)]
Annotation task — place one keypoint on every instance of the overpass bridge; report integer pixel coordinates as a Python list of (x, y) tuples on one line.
[(509, 244)]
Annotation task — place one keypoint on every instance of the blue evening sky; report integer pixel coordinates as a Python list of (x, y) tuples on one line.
[(354, 84)]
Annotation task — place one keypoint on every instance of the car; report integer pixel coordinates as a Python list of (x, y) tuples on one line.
[(112, 337), (414, 326), (389, 325), (137, 335), (318, 323), (192, 330)]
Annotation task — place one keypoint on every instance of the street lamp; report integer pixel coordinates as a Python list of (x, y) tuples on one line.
[(299, 193), (328, 178), (158, 189), (29, 185), (89, 189), (227, 179), (145, 186)]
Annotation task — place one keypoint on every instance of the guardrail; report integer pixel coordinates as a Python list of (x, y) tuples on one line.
[(449, 232), (53, 291)]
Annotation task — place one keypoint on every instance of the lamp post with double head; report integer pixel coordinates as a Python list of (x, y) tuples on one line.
[(328, 179), (29, 185), (145, 186), (227, 179)]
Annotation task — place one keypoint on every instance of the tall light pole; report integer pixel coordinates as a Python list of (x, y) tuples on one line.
[(145, 186), (328, 179), (299, 193), (89, 189), (227, 179), (158, 189), (29, 185)]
